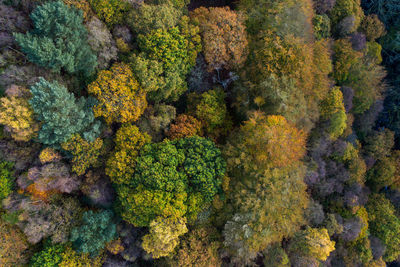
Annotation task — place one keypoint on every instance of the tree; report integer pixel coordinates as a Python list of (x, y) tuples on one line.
[(61, 114), (48, 257), (150, 17), (85, 154), (312, 242), (384, 224), (224, 36), (128, 141), (344, 58), (322, 26), (173, 178), (95, 230), (372, 27), (13, 246), (210, 108), (275, 256), (277, 144), (198, 248), (6, 179), (17, 115), (111, 11), (184, 126), (268, 196), (166, 58), (71, 258), (347, 8), (119, 95), (48, 155), (332, 109), (164, 236), (53, 22)]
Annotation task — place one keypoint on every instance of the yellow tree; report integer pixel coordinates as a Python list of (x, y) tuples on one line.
[(119, 95), (17, 115)]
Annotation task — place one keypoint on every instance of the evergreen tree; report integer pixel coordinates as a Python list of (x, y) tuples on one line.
[(61, 114)]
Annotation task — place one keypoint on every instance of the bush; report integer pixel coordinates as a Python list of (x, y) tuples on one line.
[(54, 21)]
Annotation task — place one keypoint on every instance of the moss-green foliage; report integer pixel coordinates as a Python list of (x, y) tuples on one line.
[(332, 109), (59, 39), (322, 26), (95, 230), (384, 224), (211, 110), (275, 256), (166, 58), (6, 179), (381, 174), (172, 178), (61, 114), (110, 11), (345, 8), (50, 256)]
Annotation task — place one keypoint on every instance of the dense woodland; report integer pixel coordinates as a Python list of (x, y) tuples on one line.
[(205, 133)]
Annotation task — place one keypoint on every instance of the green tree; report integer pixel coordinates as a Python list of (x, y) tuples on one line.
[(95, 231), (332, 109), (166, 58), (6, 179), (210, 108), (59, 39), (121, 164), (384, 224), (50, 256), (61, 114), (173, 178)]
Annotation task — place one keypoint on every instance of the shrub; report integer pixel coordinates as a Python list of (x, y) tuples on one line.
[(54, 21)]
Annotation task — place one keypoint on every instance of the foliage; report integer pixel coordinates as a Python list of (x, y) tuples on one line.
[(48, 155), (111, 11), (71, 258), (312, 242), (384, 224), (346, 8), (275, 256), (198, 248), (61, 113), (166, 58), (6, 179), (184, 126), (344, 58), (17, 115), (85, 154), (332, 108), (119, 95), (50, 256), (150, 17), (82, 5), (278, 144), (53, 22), (164, 236), (322, 26), (381, 174), (372, 27), (128, 141), (13, 246), (172, 178), (223, 35), (95, 231), (211, 110)]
